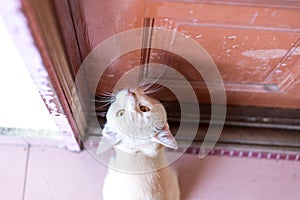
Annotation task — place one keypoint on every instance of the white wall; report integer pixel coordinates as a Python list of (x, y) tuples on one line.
[(20, 104)]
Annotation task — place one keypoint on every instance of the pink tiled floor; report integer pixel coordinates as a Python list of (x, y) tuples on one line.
[(44, 173)]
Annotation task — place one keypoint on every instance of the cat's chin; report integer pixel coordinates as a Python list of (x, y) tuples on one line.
[(150, 150)]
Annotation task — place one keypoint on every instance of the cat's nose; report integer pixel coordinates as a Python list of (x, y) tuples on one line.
[(130, 92)]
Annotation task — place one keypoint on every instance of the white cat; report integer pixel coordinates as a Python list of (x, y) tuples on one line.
[(137, 128)]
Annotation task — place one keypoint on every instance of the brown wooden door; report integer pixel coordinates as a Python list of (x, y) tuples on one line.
[(254, 44)]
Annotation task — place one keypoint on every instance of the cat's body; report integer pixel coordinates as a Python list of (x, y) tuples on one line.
[(154, 185), (138, 130)]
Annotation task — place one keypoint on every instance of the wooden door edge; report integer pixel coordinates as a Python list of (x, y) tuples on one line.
[(26, 33)]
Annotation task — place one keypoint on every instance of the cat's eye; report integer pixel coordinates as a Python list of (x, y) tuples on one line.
[(144, 108), (120, 113)]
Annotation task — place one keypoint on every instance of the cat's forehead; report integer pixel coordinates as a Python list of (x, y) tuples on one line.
[(121, 94)]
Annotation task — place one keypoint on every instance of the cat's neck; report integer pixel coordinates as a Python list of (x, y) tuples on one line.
[(138, 162)]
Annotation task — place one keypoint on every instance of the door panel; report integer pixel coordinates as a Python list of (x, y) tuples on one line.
[(256, 46)]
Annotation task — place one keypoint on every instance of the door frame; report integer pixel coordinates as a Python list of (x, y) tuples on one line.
[(27, 26)]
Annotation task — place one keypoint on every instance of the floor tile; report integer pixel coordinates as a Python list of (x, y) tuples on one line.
[(11, 140), (215, 178), (12, 171), (43, 142), (61, 175)]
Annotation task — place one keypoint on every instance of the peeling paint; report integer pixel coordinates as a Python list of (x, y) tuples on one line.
[(296, 51), (267, 54), (253, 18), (198, 36), (232, 37)]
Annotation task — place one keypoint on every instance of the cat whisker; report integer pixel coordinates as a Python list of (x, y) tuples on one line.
[(152, 82), (106, 96), (102, 106), (158, 85), (103, 96), (147, 86), (156, 89), (103, 101), (110, 93), (163, 73)]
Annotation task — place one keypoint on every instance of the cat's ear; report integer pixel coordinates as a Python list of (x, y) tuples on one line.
[(165, 137), (108, 140)]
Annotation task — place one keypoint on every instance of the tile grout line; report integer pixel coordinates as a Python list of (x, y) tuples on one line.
[(28, 146)]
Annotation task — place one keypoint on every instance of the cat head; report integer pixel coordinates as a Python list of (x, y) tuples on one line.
[(136, 123)]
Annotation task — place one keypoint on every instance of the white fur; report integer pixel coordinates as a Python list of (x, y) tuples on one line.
[(139, 169), (152, 185)]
